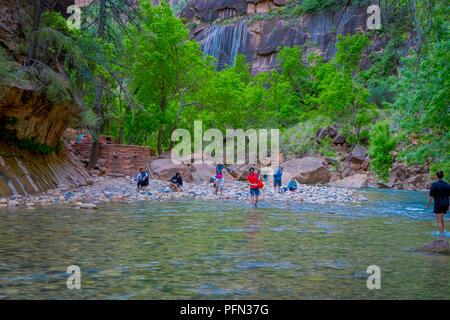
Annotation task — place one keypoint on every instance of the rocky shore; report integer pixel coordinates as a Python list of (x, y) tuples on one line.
[(102, 190)]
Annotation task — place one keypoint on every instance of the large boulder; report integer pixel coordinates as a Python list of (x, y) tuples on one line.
[(357, 156), (327, 131), (240, 170), (339, 139), (355, 181), (165, 155), (307, 170), (203, 172), (440, 246), (165, 169)]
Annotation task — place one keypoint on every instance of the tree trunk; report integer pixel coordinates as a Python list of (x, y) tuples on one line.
[(160, 133), (122, 124), (95, 138), (98, 93)]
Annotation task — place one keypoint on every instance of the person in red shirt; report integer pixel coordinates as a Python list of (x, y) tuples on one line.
[(252, 180)]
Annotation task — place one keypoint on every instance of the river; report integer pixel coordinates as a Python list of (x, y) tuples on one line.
[(194, 249)]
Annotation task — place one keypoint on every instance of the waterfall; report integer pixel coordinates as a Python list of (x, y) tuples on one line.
[(224, 42)]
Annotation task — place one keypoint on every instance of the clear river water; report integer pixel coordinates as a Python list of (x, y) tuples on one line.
[(192, 249)]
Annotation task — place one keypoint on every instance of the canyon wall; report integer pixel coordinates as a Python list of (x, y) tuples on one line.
[(23, 171), (225, 28)]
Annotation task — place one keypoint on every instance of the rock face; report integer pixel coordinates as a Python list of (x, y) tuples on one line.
[(307, 170), (355, 181), (23, 172), (440, 246), (259, 39), (36, 116), (405, 177)]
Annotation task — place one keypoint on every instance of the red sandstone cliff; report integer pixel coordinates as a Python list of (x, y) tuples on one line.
[(23, 171)]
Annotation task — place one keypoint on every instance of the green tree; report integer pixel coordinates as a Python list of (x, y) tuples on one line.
[(168, 68), (337, 90), (423, 89), (381, 145)]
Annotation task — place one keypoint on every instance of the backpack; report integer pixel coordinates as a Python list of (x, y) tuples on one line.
[(260, 184)]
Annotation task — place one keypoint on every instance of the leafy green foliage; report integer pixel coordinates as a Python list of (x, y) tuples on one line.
[(7, 68), (167, 67), (423, 92), (381, 145)]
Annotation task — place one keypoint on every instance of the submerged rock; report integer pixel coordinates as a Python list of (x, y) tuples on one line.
[(440, 246)]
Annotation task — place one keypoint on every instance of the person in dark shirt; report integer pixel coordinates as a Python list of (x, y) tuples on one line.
[(176, 182), (439, 192)]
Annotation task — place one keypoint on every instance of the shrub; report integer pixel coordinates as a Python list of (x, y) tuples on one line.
[(381, 145)]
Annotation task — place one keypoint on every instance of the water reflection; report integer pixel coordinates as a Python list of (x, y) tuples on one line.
[(223, 250)]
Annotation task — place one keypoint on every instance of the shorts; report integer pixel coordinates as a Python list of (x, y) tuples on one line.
[(440, 210), (221, 183), (254, 192), (142, 182), (277, 182)]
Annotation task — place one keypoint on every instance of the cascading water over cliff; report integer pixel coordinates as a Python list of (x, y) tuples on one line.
[(224, 42)]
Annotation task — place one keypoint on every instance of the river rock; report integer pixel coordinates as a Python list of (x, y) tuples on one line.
[(307, 170), (354, 181), (13, 203), (440, 246), (88, 206), (240, 170)]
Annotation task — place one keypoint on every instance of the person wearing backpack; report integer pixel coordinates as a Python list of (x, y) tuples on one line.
[(254, 184)]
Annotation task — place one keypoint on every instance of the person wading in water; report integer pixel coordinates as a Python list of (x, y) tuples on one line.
[(220, 178), (252, 179), (439, 192)]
